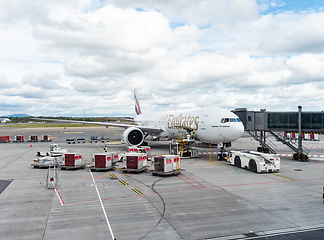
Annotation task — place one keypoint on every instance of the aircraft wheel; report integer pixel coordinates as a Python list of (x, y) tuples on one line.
[(259, 149), (219, 157), (253, 166), (237, 161)]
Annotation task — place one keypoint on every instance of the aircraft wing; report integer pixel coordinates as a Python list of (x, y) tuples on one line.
[(154, 130)]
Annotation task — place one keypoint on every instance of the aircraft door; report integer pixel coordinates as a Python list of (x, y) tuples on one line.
[(203, 122)]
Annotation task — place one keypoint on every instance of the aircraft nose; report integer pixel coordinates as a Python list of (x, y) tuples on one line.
[(238, 130)]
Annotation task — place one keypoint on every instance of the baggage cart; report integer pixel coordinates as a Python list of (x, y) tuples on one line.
[(72, 161), (165, 165), (102, 162), (33, 138), (19, 138), (80, 140), (4, 139), (134, 162), (45, 162), (46, 138), (70, 141)]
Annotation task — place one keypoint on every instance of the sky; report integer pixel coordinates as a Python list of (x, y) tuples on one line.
[(86, 57)]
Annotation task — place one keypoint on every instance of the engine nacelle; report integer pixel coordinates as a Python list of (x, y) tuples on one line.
[(133, 136)]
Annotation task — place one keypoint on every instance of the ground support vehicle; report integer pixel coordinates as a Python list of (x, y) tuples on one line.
[(70, 141), (255, 161), (45, 162), (32, 138), (54, 148), (72, 161), (4, 139), (134, 162), (93, 139), (104, 139), (183, 148), (165, 165), (80, 140), (54, 151), (46, 138), (103, 161), (19, 138)]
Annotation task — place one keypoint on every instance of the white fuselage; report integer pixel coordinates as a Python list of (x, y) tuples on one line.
[(210, 125)]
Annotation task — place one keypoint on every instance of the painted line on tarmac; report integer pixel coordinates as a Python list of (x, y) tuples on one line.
[(283, 176), (137, 191), (125, 183), (59, 196), (72, 132), (191, 189)]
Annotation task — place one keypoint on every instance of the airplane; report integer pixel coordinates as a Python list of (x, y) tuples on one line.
[(210, 125), (4, 120)]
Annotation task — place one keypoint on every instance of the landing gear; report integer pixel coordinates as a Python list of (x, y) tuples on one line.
[(222, 156)]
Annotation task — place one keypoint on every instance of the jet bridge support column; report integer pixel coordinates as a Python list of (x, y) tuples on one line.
[(300, 155)]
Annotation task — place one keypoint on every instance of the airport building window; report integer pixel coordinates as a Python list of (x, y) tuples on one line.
[(310, 121)]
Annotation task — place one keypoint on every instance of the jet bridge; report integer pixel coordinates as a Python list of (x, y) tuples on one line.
[(259, 124)]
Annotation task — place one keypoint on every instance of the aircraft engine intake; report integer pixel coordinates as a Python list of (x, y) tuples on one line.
[(133, 136)]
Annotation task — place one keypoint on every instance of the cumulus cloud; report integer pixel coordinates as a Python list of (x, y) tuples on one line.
[(42, 80), (63, 56)]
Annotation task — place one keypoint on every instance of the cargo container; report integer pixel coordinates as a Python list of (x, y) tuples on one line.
[(33, 138), (166, 165), (72, 161), (134, 162), (19, 138), (46, 138), (144, 149), (4, 139), (103, 162), (132, 149), (114, 157)]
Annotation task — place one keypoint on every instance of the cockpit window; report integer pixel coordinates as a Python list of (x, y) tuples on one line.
[(225, 120)]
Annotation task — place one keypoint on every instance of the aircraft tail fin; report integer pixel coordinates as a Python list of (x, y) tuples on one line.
[(137, 106)]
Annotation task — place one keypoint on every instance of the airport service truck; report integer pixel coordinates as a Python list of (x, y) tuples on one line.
[(254, 161)]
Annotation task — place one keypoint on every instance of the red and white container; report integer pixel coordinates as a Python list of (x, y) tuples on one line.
[(72, 161), (19, 138), (114, 157), (134, 162), (46, 138), (132, 149), (166, 165), (4, 139), (33, 138)]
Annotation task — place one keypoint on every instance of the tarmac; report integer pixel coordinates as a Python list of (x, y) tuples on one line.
[(209, 200)]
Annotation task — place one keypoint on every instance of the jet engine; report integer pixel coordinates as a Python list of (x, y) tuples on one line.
[(133, 136)]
